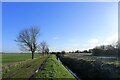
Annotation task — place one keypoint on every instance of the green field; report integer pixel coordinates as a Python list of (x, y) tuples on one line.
[(20, 65), (54, 69), (24, 70), (12, 58)]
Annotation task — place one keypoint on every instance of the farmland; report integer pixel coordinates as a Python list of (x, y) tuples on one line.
[(90, 57), (72, 40), (85, 65), (13, 57), (22, 66)]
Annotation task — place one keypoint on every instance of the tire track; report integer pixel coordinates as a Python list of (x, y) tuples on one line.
[(38, 69)]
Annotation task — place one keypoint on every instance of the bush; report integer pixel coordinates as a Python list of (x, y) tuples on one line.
[(107, 50), (63, 52)]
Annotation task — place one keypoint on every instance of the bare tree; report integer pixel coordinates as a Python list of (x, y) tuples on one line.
[(28, 39), (43, 47)]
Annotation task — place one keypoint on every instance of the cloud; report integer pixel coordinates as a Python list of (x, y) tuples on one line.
[(76, 44), (94, 41), (56, 37), (110, 40), (54, 49), (67, 49), (97, 42)]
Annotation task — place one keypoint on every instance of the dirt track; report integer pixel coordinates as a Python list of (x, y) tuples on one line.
[(38, 69)]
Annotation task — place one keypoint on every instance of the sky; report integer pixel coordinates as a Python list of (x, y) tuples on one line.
[(0, 27), (60, 0), (63, 25)]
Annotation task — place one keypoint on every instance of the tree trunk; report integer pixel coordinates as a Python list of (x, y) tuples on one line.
[(32, 55)]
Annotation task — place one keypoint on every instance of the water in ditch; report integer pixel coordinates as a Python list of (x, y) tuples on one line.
[(69, 70)]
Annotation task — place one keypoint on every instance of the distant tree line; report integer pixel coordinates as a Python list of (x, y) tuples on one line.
[(78, 51), (107, 50), (103, 50), (62, 52)]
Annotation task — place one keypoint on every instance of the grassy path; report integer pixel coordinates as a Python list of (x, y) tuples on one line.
[(40, 67), (54, 69)]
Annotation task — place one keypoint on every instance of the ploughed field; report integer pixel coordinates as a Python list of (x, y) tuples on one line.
[(22, 66), (89, 67)]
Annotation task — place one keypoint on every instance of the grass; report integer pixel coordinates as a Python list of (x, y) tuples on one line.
[(54, 69), (90, 57), (117, 63), (23, 70), (12, 58)]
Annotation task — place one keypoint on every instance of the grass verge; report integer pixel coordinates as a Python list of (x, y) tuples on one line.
[(53, 69)]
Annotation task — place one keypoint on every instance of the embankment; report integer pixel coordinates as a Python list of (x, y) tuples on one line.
[(53, 69), (91, 70)]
